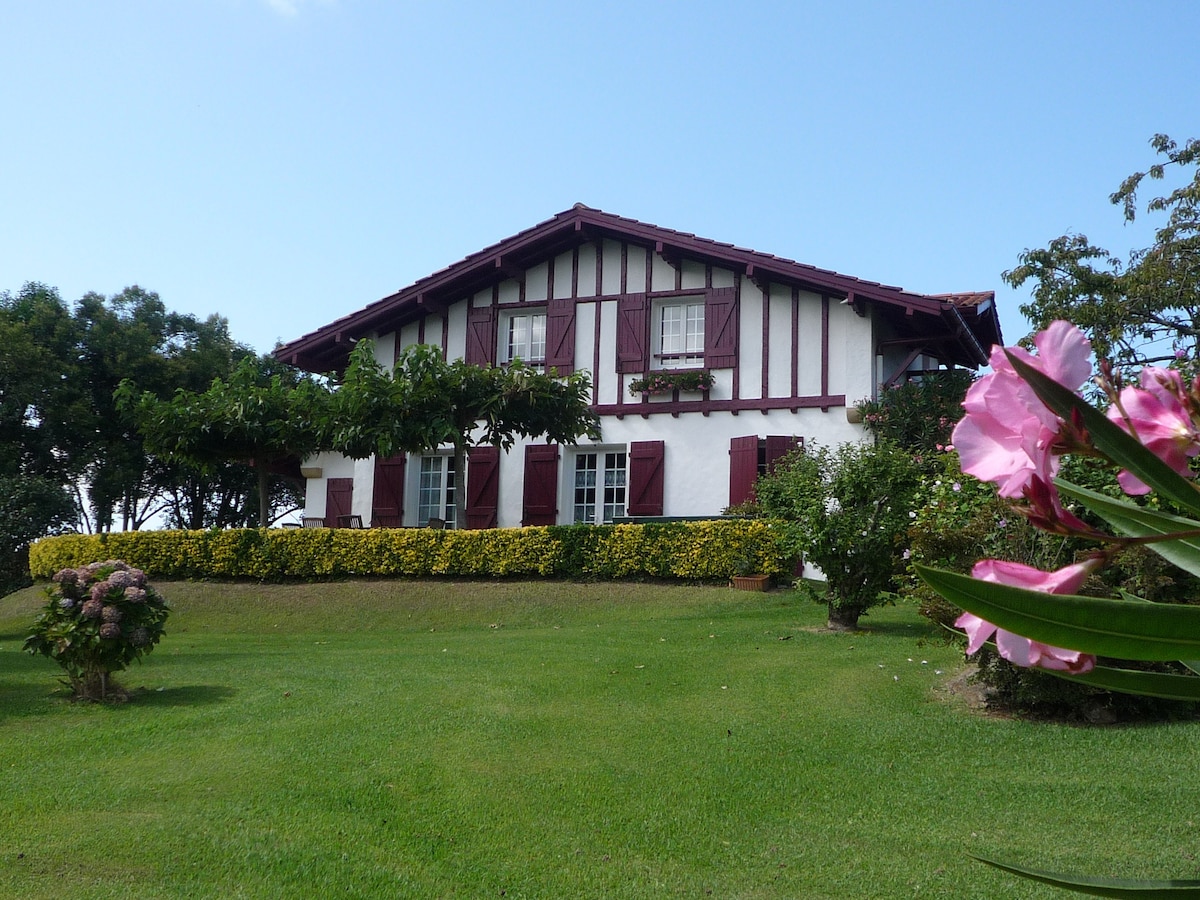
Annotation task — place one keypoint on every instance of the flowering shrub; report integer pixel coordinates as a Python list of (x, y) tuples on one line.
[(1021, 421), (99, 619), (919, 414), (666, 382), (850, 506)]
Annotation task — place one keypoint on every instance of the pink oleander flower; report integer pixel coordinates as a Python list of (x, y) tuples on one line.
[(1008, 435), (1018, 650), (1157, 415)]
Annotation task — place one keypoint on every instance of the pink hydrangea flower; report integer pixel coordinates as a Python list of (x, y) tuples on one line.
[(1008, 435), (1018, 650), (1157, 414)]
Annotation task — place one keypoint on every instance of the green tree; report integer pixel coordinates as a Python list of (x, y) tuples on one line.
[(45, 413), (263, 415), (132, 336), (44, 423), (851, 507), (1136, 312), (427, 402)]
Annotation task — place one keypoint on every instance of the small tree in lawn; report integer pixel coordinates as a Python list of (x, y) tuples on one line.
[(426, 402), (851, 508), (264, 414)]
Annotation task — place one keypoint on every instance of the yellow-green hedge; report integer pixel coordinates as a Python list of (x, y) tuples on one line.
[(691, 551)]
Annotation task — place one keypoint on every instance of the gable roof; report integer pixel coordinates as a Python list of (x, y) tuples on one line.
[(963, 325)]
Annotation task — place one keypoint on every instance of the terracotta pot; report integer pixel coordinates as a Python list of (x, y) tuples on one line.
[(750, 582)]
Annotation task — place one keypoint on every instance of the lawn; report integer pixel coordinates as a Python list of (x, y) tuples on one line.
[(553, 740)]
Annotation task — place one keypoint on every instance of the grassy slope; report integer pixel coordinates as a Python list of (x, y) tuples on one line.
[(379, 739)]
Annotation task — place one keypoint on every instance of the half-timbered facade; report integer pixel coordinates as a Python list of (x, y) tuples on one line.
[(790, 349)]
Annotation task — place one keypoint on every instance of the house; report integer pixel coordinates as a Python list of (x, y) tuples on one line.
[(790, 349)]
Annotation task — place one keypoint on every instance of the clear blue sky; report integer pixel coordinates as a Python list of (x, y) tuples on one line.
[(284, 162)]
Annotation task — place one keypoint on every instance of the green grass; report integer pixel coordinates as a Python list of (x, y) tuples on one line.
[(434, 739)]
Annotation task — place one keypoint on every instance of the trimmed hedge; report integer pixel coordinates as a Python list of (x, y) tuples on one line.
[(690, 551)]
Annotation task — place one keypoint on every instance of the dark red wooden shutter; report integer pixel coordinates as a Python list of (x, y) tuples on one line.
[(560, 335), (540, 494), (646, 477), (633, 334), (743, 468), (777, 446), (481, 336), (721, 329), (483, 486), (339, 492), (387, 497)]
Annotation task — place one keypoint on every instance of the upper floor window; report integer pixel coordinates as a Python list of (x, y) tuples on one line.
[(677, 333), (523, 336)]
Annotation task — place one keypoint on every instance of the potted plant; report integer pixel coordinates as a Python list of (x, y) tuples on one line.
[(746, 576)]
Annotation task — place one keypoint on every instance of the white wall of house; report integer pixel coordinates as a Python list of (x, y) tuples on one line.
[(781, 334)]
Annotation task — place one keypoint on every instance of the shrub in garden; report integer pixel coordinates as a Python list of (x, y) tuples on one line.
[(99, 619), (957, 520), (1021, 421), (919, 414), (690, 551), (962, 519), (850, 506)]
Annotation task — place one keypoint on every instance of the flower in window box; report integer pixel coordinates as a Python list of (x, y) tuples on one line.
[(668, 382)]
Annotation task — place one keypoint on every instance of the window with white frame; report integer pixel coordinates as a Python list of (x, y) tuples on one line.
[(435, 493), (677, 338), (523, 336), (599, 490)]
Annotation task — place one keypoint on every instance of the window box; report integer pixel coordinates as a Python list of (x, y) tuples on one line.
[(666, 382)]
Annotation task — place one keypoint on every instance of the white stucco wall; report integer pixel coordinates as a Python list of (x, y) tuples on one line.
[(696, 446)]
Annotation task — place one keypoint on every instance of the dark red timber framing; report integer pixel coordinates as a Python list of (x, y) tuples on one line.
[(954, 329), (795, 343), (765, 377), (825, 350)]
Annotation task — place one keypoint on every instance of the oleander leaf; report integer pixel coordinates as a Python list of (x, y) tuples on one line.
[(1147, 684), (1121, 629), (1102, 887), (1110, 439), (1141, 521)]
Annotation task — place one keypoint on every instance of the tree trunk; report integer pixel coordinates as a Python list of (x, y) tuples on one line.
[(460, 486), (264, 501), (843, 618)]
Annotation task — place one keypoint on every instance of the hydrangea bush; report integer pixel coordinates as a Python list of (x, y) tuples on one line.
[(99, 618)]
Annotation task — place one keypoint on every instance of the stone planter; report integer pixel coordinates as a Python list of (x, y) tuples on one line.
[(750, 582)]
